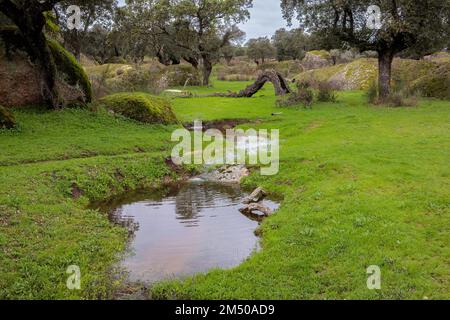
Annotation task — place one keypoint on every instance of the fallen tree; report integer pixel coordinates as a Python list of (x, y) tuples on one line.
[(279, 83)]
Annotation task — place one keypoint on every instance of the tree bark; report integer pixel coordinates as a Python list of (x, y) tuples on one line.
[(76, 44), (31, 22), (207, 70), (192, 61), (385, 59)]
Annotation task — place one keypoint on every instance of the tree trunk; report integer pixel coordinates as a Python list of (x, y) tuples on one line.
[(30, 22), (192, 61), (41, 55), (77, 48), (207, 70), (385, 59)]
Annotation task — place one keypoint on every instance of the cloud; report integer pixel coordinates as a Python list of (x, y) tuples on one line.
[(265, 19)]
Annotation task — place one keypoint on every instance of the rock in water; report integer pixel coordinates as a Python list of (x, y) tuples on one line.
[(255, 208), (256, 196), (227, 174)]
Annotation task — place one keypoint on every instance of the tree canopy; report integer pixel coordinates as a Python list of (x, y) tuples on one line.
[(260, 49), (290, 45), (389, 28)]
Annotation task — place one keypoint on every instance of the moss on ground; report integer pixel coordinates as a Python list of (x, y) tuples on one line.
[(68, 65), (140, 106)]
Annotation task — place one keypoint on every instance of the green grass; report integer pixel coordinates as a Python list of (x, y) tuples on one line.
[(44, 226), (361, 185), (74, 133)]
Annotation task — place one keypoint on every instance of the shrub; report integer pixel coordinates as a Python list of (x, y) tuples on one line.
[(112, 78), (303, 96), (326, 92), (139, 106), (372, 93), (241, 71), (115, 60), (7, 120), (98, 80), (183, 75), (401, 99), (69, 66), (139, 79)]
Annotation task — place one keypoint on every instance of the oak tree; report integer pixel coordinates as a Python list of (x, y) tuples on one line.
[(386, 26)]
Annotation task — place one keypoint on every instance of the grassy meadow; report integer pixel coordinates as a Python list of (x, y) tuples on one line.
[(361, 185)]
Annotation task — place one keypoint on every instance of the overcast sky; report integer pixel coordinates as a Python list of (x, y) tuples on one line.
[(265, 19)]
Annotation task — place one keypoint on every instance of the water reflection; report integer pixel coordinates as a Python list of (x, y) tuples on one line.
[(194, 228)]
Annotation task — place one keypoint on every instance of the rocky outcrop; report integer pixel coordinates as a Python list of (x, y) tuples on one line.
[(316, 60), (429, 77), (21, 81), (139, 106), (256, 209)]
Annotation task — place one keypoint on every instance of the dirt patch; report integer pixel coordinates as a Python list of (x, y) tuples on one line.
[(76, 191)]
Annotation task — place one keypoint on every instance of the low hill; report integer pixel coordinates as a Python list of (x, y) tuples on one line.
[(430, 76)]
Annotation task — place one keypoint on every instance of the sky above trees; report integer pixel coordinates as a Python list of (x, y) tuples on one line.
[(265, 19)]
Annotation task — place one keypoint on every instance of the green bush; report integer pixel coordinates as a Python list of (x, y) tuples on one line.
[(68, 65), (140, 106), (7, 120)]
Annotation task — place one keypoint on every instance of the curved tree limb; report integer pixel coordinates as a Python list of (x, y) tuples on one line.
[(280, 84)]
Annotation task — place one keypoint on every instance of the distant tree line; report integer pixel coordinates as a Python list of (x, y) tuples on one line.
[(202, 32)]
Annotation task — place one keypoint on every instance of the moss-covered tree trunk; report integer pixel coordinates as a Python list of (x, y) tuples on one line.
[(28, 17), (207, 70)]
